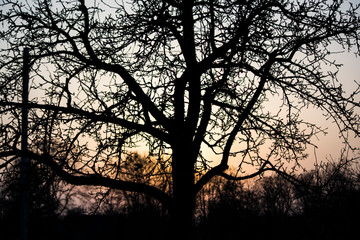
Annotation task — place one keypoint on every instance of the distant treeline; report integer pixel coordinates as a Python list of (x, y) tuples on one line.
[(319, 204)]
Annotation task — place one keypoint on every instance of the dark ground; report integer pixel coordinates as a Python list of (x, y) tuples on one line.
[(227, 226)]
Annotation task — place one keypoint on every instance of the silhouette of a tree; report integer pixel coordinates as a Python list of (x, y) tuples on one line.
[(44, 200), (324, 204), (183, 77), (329, 189), (277, 199), (139, 169)]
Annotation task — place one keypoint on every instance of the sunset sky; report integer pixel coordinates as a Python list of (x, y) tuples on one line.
[(192, 118), (329, 145)]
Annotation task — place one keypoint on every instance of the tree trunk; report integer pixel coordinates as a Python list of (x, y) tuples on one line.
[(182, 207)]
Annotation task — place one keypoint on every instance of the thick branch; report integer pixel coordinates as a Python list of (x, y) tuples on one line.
[(96, 117), (245, 113), (93, 179), (135, 87), (218, 170)]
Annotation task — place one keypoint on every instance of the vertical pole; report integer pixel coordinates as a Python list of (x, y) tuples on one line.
[(24, 165)]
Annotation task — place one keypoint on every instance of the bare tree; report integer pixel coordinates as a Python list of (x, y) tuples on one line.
[(182, 77), (330, 187), (277, 196), (44, 200), (139, 169)]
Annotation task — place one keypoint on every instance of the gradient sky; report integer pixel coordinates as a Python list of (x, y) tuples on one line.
[(330, 146)]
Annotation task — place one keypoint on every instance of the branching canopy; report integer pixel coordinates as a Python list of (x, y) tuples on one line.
[(193, 76)]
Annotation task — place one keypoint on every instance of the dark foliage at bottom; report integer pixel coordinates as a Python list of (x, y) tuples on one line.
[(324, 204)]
